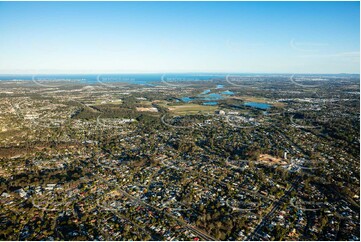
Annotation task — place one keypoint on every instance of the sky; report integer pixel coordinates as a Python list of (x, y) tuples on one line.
[(162, 37)]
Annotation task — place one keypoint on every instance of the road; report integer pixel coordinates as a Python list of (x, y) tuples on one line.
[(275, 206), (203, 235)]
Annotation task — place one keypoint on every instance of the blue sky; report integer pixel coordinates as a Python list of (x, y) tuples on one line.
[(128, 37)]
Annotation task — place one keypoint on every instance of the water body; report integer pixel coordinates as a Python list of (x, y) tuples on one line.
[(140, 79), (263, 106), (204, 96), (210, 103), (186, 99), (213, 97)]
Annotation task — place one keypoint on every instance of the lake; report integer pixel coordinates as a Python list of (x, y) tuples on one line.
[(186, 99), (213, 96), (263, 106), (207, 96)]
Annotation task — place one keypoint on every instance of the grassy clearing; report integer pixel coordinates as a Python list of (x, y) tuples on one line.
[(186, 108), (259, 100), (191, 109)]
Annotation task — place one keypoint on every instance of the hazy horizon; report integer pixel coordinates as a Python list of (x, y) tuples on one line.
[(172, 73)]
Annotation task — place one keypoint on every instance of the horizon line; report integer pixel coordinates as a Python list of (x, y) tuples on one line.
[(180, 72)]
